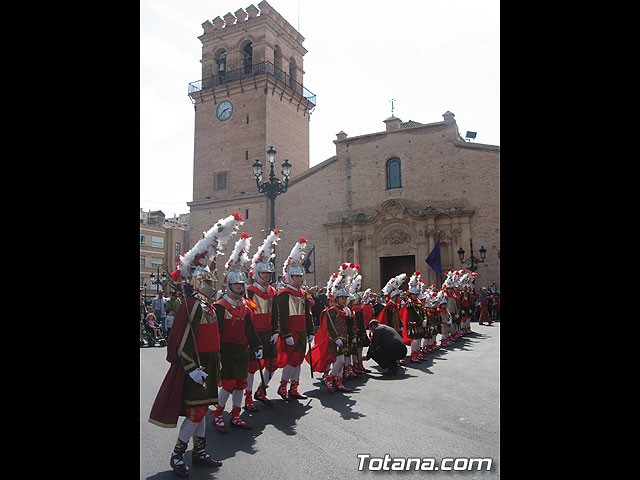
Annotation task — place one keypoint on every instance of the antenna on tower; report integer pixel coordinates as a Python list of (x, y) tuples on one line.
[(392, 100)]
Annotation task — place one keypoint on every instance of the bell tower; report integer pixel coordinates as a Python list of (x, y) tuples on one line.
[(250, 97)]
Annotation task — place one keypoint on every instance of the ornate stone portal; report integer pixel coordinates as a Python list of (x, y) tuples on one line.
[(395, 234)]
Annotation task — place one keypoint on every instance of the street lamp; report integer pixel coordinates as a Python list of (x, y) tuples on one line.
[(158, 279), (272, 187), (473, 260), (143, 288)]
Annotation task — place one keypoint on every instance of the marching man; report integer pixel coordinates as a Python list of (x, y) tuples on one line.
[(363, 313), (193, 349), (265, 319), (295, 322), (414, 318), (445, 318), (433, 320), (238, 339), (390, 314), (331, 346)]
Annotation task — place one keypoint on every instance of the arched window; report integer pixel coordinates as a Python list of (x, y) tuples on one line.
[(221, 66), (277, 61), (394, 174), (248, 57), (292, 72)]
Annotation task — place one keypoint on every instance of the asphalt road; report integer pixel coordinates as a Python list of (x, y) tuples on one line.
[(445, 407)]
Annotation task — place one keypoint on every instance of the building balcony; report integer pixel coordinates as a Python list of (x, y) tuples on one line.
[(250, 71)]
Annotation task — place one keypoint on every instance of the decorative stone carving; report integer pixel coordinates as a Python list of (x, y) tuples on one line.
[(394, 209), (395, 237)]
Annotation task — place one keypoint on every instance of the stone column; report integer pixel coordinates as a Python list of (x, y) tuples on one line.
[(356, 248)]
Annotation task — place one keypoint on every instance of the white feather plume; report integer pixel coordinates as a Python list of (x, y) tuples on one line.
[(330, 283), (414, 280), (355, 284), (210, 245), (239, 256), (265, 251), (394, 284), (366, 296), (295, 257), (340, 282)]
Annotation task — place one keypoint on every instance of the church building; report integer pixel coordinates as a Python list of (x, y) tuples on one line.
[(382, 201)]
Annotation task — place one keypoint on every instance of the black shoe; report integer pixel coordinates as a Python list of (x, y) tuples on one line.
[(198, 455), (177, 462)]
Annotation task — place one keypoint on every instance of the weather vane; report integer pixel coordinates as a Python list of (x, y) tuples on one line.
[(392, 100)]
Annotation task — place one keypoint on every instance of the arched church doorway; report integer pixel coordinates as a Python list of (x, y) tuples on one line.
[(393, 266)]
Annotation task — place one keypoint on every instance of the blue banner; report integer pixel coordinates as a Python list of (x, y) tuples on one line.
[(434, 260)]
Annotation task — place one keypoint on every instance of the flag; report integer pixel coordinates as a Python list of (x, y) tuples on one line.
[(434, 260), (307, 261)]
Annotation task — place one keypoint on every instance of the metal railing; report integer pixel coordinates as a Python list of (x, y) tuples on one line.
[(249, 71)]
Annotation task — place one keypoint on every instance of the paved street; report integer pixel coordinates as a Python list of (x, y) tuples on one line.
[(445, 407)]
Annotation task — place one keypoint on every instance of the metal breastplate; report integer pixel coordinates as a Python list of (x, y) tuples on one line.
[(296, 305), (264, 304)]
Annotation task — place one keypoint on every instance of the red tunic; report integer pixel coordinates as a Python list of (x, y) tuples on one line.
[(234, 328), (262, 320)]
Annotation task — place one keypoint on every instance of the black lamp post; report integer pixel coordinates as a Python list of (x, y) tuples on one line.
[(473, 260), (158, 279), (143, 288), (272, 187)]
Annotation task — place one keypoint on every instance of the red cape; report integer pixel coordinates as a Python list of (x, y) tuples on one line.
[(382, 316), (404, 317), (168, 405), (367, 311), (320, 352)]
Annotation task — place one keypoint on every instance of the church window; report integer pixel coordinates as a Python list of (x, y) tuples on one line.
[(277, 62), (292, 73), (247, 51), (220, 180), (394, 177), (221, 66)]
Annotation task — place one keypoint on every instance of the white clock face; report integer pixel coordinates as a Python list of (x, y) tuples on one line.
[(224, 110)]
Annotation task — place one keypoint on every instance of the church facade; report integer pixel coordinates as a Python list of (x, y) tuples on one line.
[(381, 201)]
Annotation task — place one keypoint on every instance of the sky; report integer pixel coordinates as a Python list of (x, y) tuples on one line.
[(430, 56)]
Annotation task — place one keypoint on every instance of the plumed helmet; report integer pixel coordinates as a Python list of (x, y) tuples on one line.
[(366, 296), (293, 264), (392, 288), (339, 287), (195, 262), (343, 281), (261, 260), (414, 283), (234, 268), (263, 267), (354, 287)]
